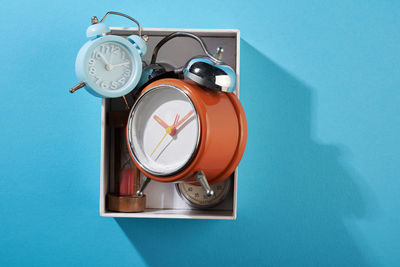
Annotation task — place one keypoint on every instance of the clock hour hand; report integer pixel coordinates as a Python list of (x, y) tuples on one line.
[(160, 121), (104, 59)]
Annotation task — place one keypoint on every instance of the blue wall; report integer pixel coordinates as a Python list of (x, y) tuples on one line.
[(319, 182)]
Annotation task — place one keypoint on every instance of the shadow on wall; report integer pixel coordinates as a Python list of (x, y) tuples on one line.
[(294, 194)]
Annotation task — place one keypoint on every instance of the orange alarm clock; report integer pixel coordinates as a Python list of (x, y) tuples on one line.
[(179, 131)]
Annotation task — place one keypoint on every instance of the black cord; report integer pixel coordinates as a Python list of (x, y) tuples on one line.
[(183, 34)]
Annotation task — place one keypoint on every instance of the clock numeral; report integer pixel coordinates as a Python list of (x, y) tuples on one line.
[(105, 85), (92, 71), (98, 80), (122, 80), (127, 73), (91, 62), (196, 195), (95, 55), (114, 85), (104, 49), (190, 189), (115, 49)]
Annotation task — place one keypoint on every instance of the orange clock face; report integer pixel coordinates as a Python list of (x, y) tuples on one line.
[(176, 128)]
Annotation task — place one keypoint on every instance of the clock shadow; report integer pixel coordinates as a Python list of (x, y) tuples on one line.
[(297, 196)]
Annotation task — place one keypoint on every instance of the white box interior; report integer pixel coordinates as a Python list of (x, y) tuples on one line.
[(163, 200)]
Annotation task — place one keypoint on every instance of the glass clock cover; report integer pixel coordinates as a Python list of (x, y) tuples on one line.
[(163, 130)]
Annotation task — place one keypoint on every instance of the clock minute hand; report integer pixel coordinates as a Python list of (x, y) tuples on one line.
[(160, 121), (184, 118), (110, 66), (120, 64)]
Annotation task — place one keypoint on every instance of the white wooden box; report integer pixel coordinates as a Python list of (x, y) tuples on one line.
[(162, 199)]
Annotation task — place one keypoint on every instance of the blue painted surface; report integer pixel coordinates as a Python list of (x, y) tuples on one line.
[(319, 182)]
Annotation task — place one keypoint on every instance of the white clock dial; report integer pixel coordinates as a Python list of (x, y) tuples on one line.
[(110, 66), (163, 130)]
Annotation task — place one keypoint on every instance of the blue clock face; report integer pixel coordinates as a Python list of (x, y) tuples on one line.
[(110, 66)]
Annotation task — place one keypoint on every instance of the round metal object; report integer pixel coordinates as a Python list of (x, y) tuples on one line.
[(196, 197), (126, 203)]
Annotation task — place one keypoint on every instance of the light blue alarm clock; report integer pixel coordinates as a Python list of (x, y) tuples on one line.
[(109, 65)]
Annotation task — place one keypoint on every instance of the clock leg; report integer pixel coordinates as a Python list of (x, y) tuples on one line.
[(202, 179), (126, 103), (77, 87), (139, 193)]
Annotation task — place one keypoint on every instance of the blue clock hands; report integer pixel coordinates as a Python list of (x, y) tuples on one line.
[(119, 65), (109, 66)]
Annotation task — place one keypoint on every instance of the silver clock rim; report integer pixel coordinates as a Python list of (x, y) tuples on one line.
[(129, 129)]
